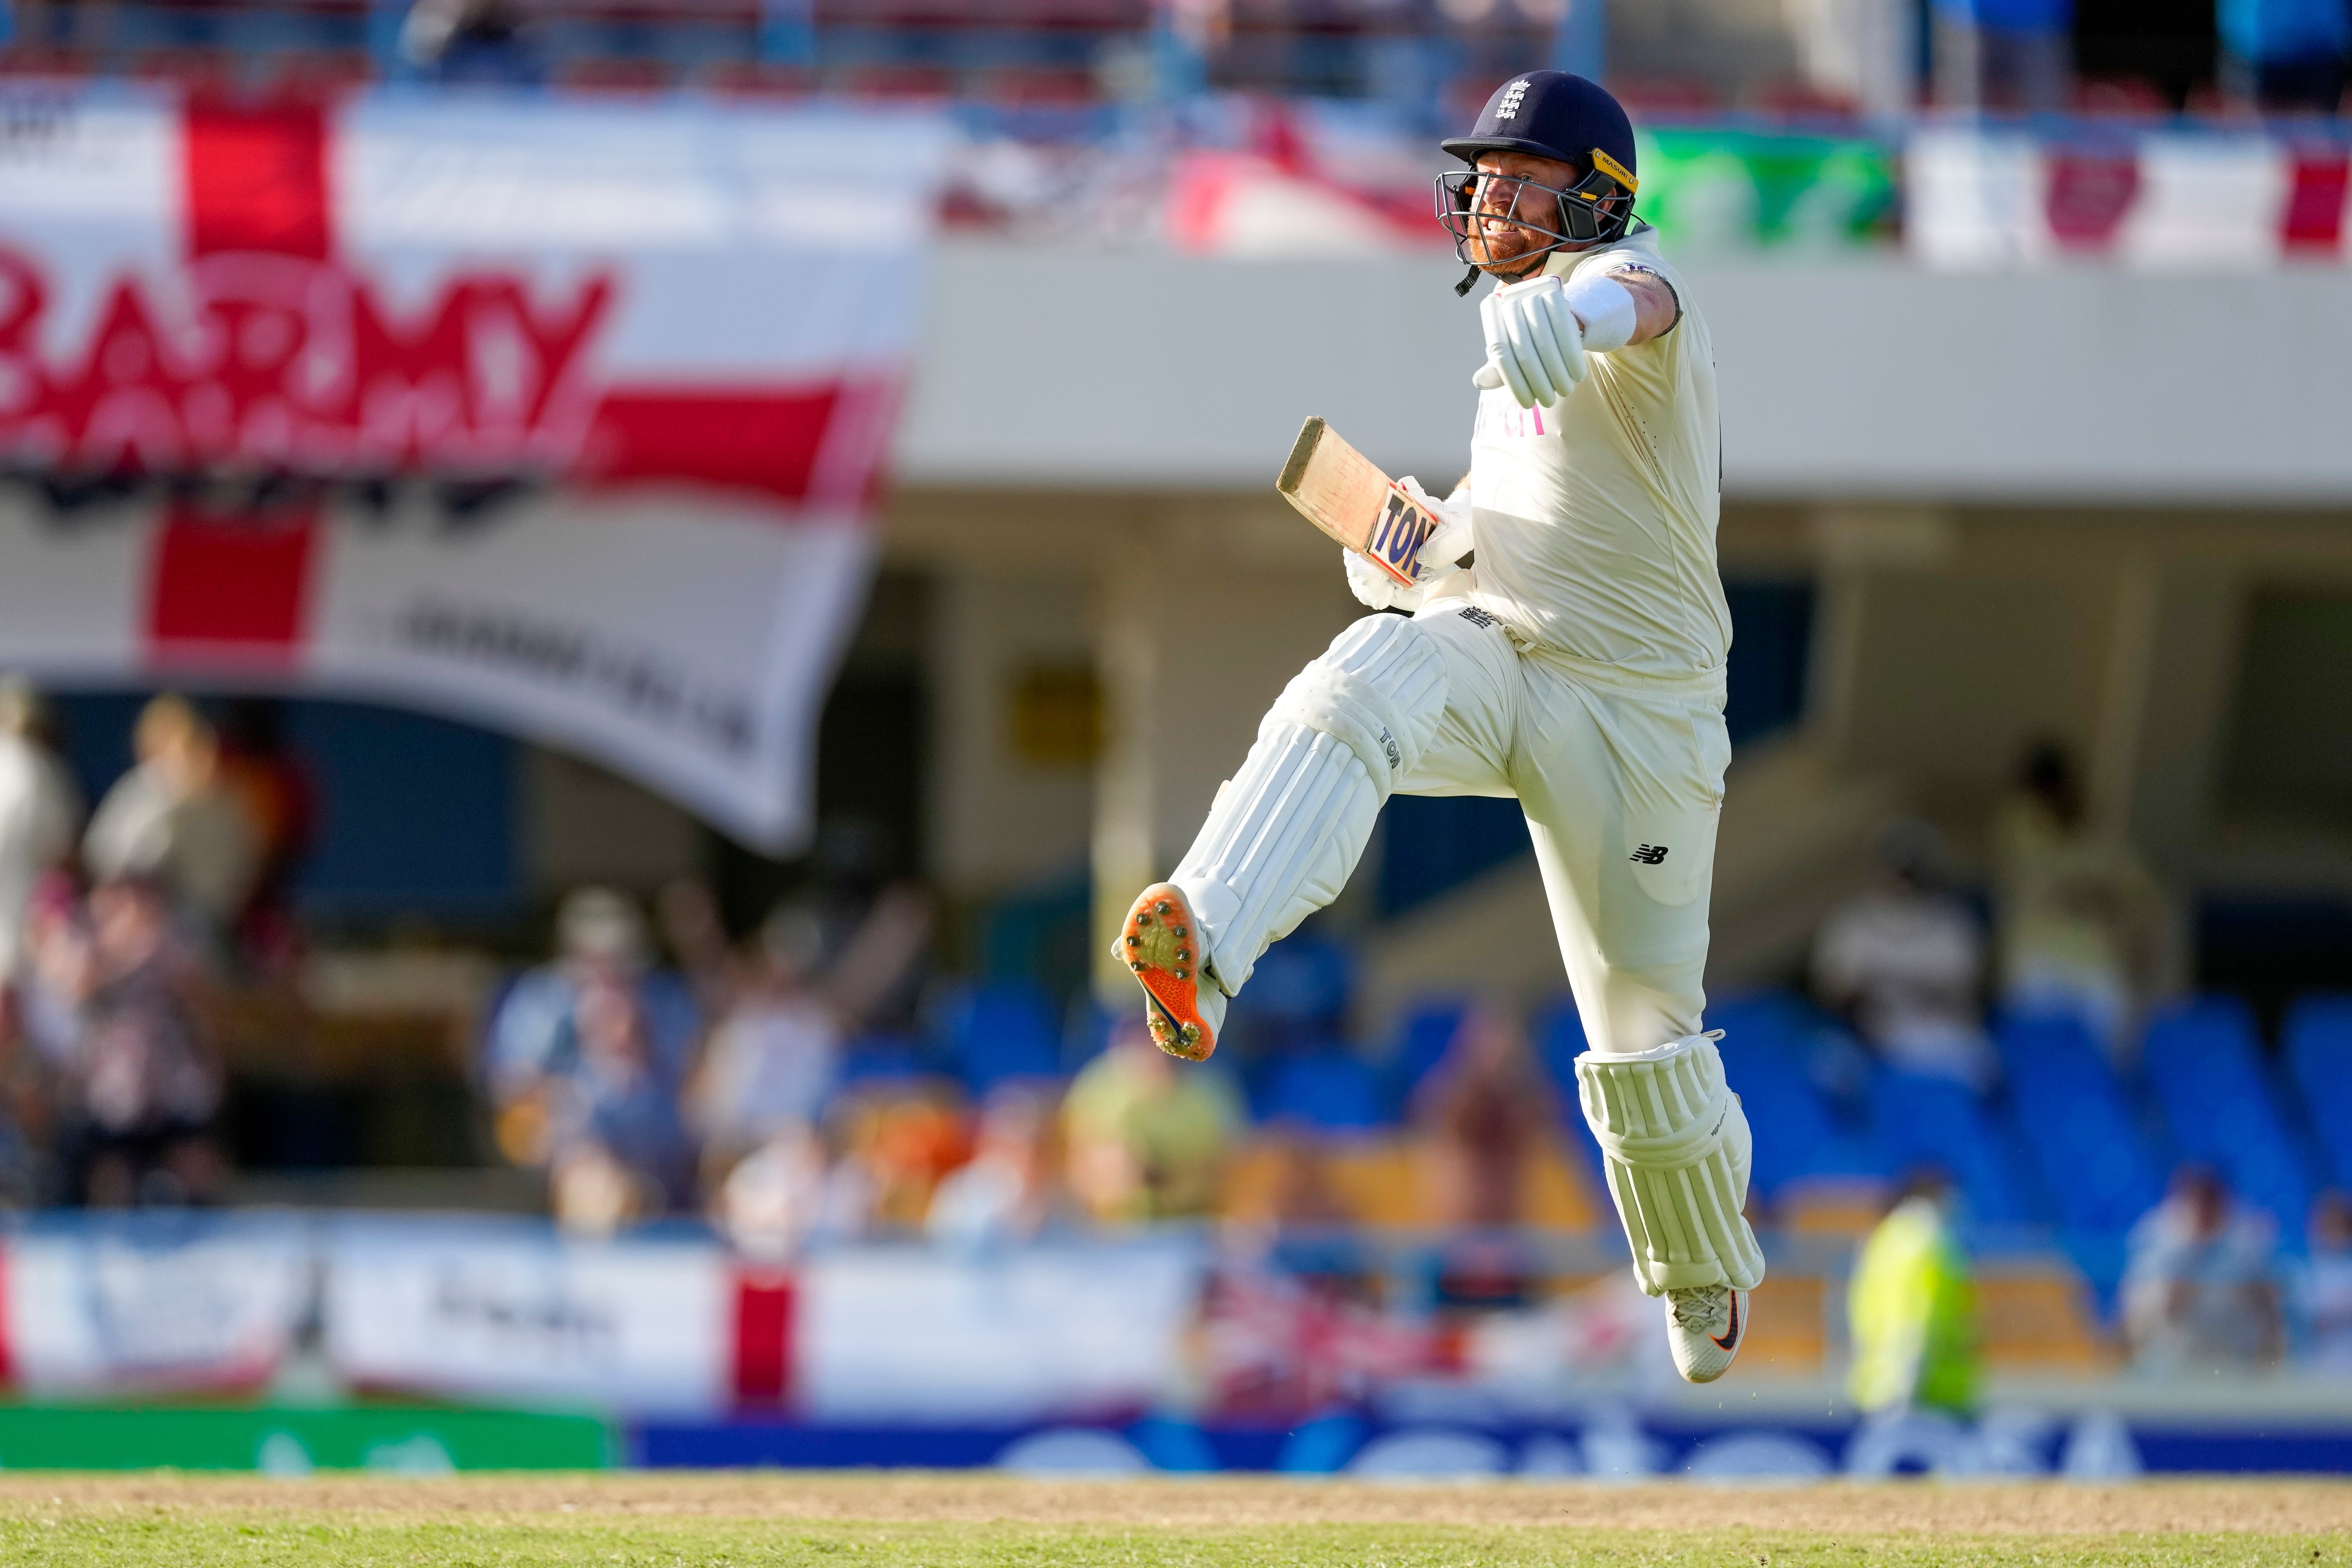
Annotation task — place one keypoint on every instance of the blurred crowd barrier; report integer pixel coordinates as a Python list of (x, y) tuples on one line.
[(278, 1341), (1238, 1325)]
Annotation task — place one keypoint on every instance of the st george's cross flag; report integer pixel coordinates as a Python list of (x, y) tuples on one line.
[(565, 417)]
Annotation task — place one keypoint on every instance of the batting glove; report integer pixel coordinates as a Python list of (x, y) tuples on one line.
[(1448, 544), (1534, 343)]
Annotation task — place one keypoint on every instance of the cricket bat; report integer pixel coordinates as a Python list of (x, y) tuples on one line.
[(1344, 493)]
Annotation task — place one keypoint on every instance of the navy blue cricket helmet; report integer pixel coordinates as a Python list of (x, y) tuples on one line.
[(1546, 114)]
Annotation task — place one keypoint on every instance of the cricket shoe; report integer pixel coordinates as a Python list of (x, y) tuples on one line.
[(1162, 945), (1704, 1324)]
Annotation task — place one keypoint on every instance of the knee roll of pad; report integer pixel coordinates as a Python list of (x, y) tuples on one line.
[(1379, 690), (1285, 834), (1675, 1145)]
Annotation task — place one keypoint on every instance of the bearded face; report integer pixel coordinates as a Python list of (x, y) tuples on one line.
[(1516, 208), (1513, 208)]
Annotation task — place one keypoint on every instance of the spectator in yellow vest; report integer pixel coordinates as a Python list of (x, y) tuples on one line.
[(1912, 1308)]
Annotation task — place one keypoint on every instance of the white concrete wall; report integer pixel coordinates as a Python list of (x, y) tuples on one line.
[(997, 820), (1848, 379)]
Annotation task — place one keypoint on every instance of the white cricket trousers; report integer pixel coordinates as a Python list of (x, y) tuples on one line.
[(1622, 780), (1620, 777)]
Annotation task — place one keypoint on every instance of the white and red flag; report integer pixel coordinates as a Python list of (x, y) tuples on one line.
[(562, 417)]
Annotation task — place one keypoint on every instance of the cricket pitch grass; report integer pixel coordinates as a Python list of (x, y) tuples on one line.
[(844, 1520)]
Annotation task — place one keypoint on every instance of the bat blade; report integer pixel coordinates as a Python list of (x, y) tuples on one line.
[(1345, 494)]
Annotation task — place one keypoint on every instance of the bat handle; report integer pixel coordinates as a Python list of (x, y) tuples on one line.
[(1489, 377)]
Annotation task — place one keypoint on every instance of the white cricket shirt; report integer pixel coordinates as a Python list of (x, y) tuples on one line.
[(1596, 517)]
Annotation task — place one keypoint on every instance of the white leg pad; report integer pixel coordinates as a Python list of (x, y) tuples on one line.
[(1675, 1144), (1285, 834)]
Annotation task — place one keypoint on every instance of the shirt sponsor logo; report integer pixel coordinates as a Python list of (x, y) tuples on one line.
[(1650, 855), (1478, 617), (1499, 415)]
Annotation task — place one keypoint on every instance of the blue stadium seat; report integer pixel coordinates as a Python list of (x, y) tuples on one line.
[(2204, 1061), (999, 1031), (1086, 1026), (1327, 1087), (1763, 1053), (1765, 1040), (1918, 1120), (1429, 1025), (2319, 1055), (883, 1058), (1302, 979), (2076, 1125)]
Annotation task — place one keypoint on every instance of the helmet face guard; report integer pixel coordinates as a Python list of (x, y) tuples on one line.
[(1595, 208)]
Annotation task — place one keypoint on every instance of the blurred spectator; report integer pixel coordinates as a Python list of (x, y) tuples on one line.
[(2200, 1288), (2080, 920), (2010, 55), (1284, 1183), (598, 933), (280, 801), (1146, 1136), (1912, 1309), (468, 41), (2324, 1285), (1904, 964), (40, 811), (40, 1025), (617, 1145), (140, 1083), (1482, 1113), (776, 1197), (784, 1007), (895, 1143), (24, 1099), (2285, 55), (55, 970), (173, 820), (1864, 53), (851, 884), (775, 1054), (1005, 1192), (586, 1057)]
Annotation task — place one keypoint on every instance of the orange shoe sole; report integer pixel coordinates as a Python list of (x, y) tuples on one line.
[(1160, 945)]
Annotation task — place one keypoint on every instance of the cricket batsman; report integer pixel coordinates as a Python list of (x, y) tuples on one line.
[(1576, 662)]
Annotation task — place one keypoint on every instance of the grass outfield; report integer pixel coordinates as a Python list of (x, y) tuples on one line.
[(951, 1520)]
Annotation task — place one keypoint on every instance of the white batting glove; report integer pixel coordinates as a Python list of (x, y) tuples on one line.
[(1451, 541), (1534, 343), (1448, 544), (1375, 589)]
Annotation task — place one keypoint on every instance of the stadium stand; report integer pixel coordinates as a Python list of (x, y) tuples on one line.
[(999, 1031), (1798, 1144), (2319, 1056), (1326, 1087), (2077, 1127), (1921, 1121), (2203, 1061)]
